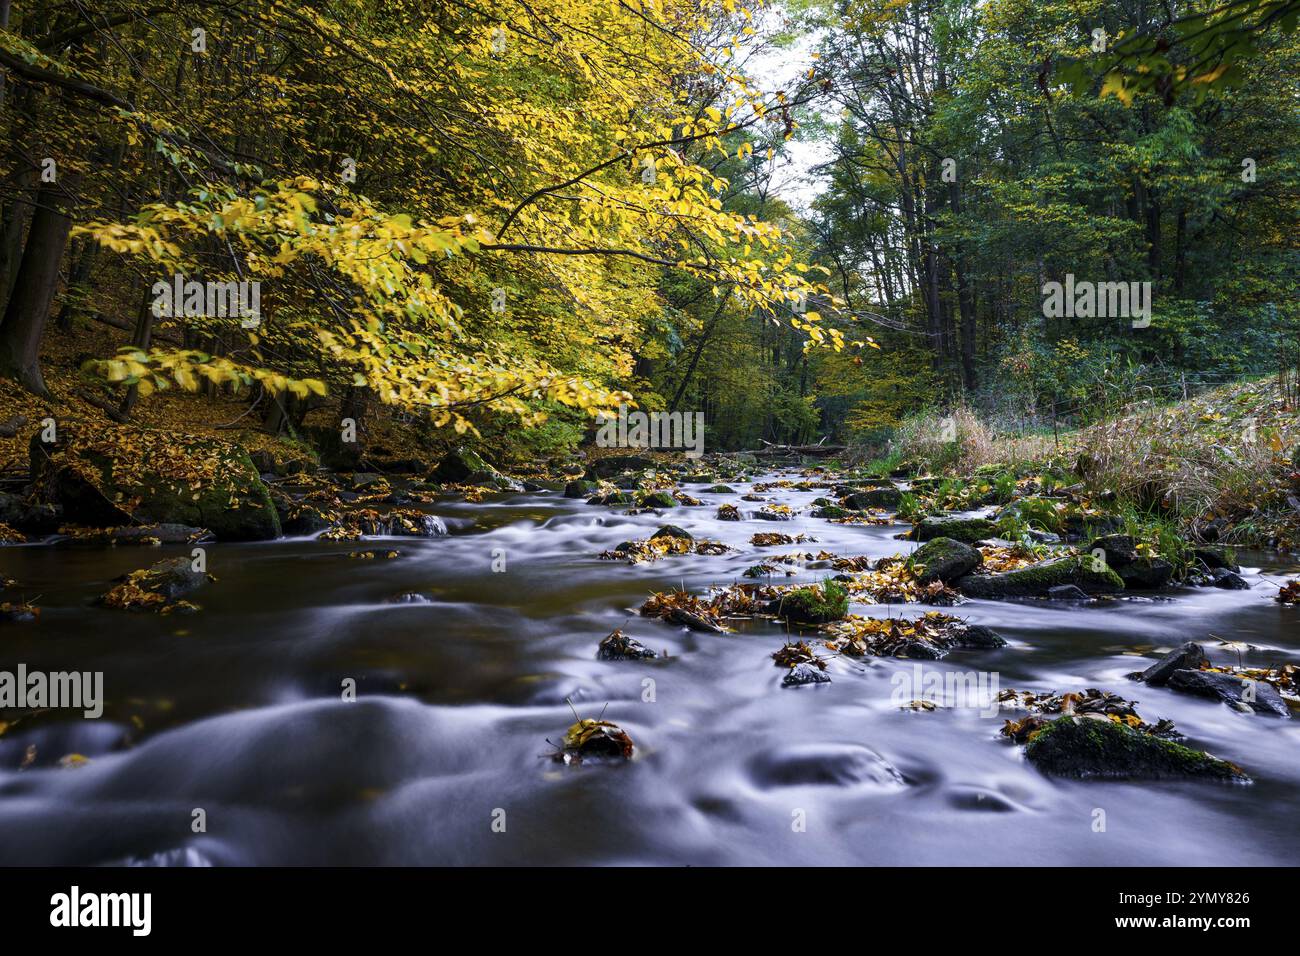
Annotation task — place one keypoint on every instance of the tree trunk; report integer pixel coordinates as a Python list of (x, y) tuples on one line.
[(25, 316)]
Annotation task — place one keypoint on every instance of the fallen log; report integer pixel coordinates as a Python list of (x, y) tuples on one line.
[(811, 451)]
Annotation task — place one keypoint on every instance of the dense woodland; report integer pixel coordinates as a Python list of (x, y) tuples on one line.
[(501, 217)]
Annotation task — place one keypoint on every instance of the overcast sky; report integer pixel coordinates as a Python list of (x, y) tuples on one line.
[(780, 68)]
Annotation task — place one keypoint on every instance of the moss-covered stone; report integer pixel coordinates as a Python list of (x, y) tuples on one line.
[(658, 499), (131, 476), (672, 531), (968, 530), (611, 498), (812, 605), (720, 490), (831, 511), (580, 488), (459, 465), (615, 464), (873, 498), (1088, 747), (943, 559), (1036, 580)]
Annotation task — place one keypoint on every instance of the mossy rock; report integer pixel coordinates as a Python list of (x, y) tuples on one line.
[(944, 559), (580, 488), (811, 605), (672, 531), (831, 511), (1036, 580), (124, 475), (615, 464), (611, 498), (719, 490), (658, 499), (461, 465), (967, 530), (874, 498), (1097, 748)]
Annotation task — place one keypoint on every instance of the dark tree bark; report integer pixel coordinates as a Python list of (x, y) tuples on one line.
[(25, 316)]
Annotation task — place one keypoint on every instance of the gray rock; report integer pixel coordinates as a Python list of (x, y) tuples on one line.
[(1188, 657), (1229, 580), (977, 635), (802, 674), (619, 647), (1145, 574), (1120, 549), (1231, 690), (1214, 558)]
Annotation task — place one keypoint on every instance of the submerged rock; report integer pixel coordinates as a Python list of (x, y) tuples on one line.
[(823, 764), (155, 588), (1067, 592), (944, 559), (1091, 747), (1238, 692)]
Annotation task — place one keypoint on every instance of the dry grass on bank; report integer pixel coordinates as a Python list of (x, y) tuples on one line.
[(1229, 453)]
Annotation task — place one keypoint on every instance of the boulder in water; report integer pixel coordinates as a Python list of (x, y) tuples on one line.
[(1097, 747), (944, 559)]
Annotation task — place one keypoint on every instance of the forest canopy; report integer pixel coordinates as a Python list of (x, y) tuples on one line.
[(503, 217)]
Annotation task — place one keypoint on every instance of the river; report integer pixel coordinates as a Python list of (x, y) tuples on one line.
[(237, 711)]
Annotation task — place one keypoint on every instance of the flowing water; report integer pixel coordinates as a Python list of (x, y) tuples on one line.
[(238, 710)]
